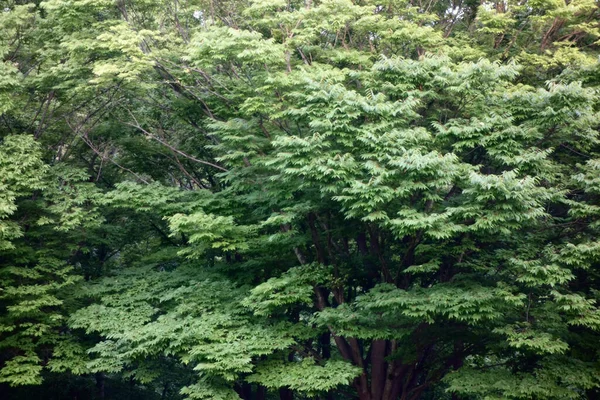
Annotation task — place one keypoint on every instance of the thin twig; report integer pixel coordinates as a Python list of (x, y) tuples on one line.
[(137, 126)]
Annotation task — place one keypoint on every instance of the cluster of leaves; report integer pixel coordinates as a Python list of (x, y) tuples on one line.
[(331, 199)]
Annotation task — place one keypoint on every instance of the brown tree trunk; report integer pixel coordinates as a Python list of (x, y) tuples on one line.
[(315, 238), (378, 368)]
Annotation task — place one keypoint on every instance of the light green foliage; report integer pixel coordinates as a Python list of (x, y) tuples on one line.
[(72, 201), (292, 288), (305, 376), (22, 172), (32, 318), (371, 200), (471, 304), (12, 22), (34, 280), (210, 231), (502, 384), (198, 320)]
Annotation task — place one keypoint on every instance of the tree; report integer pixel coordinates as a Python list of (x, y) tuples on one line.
[(334, 199)]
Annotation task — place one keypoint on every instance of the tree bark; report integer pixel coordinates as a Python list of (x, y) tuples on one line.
[(315, 238), (378, 367)]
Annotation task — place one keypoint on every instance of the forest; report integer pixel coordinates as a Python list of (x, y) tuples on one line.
[(299, 200)]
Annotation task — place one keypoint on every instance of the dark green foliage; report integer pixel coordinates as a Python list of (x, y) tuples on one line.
[(334, 199)]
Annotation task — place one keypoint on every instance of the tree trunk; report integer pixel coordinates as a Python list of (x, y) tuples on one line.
[(378, 367)]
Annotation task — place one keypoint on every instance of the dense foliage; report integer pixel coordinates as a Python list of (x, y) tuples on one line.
[(296, 199)]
